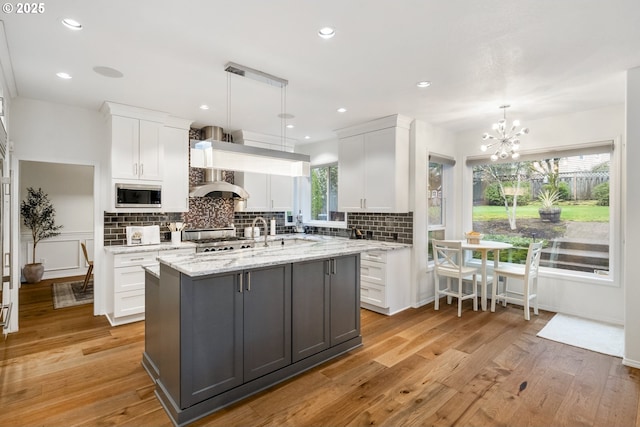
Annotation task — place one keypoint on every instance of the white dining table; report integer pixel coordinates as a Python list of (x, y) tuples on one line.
[(484, 247)]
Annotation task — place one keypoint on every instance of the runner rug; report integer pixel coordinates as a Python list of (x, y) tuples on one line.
[(69, 294), (595, 336)]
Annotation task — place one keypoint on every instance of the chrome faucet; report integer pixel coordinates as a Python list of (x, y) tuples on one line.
[(253, 226)]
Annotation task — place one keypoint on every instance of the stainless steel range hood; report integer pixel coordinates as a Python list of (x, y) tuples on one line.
[(214, 186)]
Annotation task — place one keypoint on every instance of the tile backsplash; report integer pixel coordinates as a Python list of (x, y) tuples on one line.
[(115, 225), (396, 227)]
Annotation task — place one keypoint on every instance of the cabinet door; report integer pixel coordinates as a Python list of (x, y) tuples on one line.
[(124, 147), (151, 154), (175, 186), (281, 193), (380, 170), (310, 308), (345, 298), (211, 337), (351, 174), (152, 329), (267, 320), (257, 185)]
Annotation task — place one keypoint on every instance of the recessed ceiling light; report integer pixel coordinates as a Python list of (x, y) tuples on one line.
[(342, 110), (65, 76), (204, 107), (307, 137), (423, 84), (72, 24), (290, 126), (108, 72), (327, 32), (286, 116)]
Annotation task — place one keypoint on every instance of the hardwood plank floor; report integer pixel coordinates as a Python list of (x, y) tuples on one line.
[(420, 367)]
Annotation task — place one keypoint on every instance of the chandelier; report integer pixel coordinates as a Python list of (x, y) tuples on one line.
[(506, 142)]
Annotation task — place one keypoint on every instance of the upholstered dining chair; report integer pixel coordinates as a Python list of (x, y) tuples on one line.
[(528, 273), (89, 270), (448, 259)]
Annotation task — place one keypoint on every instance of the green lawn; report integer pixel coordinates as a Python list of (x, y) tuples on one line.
[(586, 212)]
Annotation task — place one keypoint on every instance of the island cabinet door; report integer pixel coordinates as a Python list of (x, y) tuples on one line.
[(345, 298), (211, 335), (310, 308), (267, 320)]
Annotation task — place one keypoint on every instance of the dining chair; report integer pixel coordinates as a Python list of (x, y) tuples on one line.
[(448, 258), (528, 273), (89, 270)]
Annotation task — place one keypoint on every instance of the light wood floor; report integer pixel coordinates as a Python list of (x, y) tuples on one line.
[(421, 367)]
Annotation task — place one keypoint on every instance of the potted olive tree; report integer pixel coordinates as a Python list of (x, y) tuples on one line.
[(38, 214), (548, 210)]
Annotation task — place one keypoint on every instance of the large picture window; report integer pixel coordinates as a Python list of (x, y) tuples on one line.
[(324, 194), (562, 200)]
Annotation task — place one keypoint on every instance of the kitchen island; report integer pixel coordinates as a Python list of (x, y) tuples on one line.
[(231, 324)]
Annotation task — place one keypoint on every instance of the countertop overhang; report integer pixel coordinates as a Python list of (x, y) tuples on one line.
[(318, 247)]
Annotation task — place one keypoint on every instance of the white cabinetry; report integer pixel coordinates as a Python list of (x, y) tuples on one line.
[(150, 147), (136, 150), (175, 184), (266, 192), (125, 284), (373, 171), (384, 280)]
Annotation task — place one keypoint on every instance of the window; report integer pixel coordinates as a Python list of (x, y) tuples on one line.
[(562, 200), (435, 204), (324, 194)]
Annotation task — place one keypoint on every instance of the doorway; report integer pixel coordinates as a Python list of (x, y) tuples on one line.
[(70, 189)]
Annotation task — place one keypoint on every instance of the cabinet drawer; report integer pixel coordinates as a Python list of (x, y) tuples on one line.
[(378, 256), (375, 272), (139, 258), (177, 251), (128, 303), (128, 278), (373, 294)]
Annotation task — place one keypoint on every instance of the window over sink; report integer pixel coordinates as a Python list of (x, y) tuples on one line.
[(324, 195)]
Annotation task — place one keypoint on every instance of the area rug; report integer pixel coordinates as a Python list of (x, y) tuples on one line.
[(69, 294), (595, 336)]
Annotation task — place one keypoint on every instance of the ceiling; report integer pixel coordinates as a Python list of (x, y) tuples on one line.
[(544, 57)]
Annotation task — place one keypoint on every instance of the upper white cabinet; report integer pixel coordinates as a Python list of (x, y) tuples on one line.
[(267, 193), (174, 136), (373, 160), (136, 149), (148, 146)]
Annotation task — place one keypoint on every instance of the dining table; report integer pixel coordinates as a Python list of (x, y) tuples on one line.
[(484, 247)]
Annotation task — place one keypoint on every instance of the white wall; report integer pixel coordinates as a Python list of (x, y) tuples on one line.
[(591, 298), (69, 187), (631, 234), (46, 132)]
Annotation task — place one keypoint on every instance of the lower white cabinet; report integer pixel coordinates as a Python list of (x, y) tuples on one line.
[(125, 283), (384, 280)]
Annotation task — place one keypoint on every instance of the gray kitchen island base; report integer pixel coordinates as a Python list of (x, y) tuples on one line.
[(182, 417), (213, 339)]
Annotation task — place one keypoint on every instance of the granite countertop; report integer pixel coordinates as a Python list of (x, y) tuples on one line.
[(313, 247), (164, 246)]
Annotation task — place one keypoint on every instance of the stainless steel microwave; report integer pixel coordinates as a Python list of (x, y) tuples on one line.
[(138, 196)]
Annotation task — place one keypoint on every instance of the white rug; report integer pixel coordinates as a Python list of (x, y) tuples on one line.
[(595, 336)]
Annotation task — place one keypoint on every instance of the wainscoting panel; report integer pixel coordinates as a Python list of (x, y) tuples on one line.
[(62, 255)]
